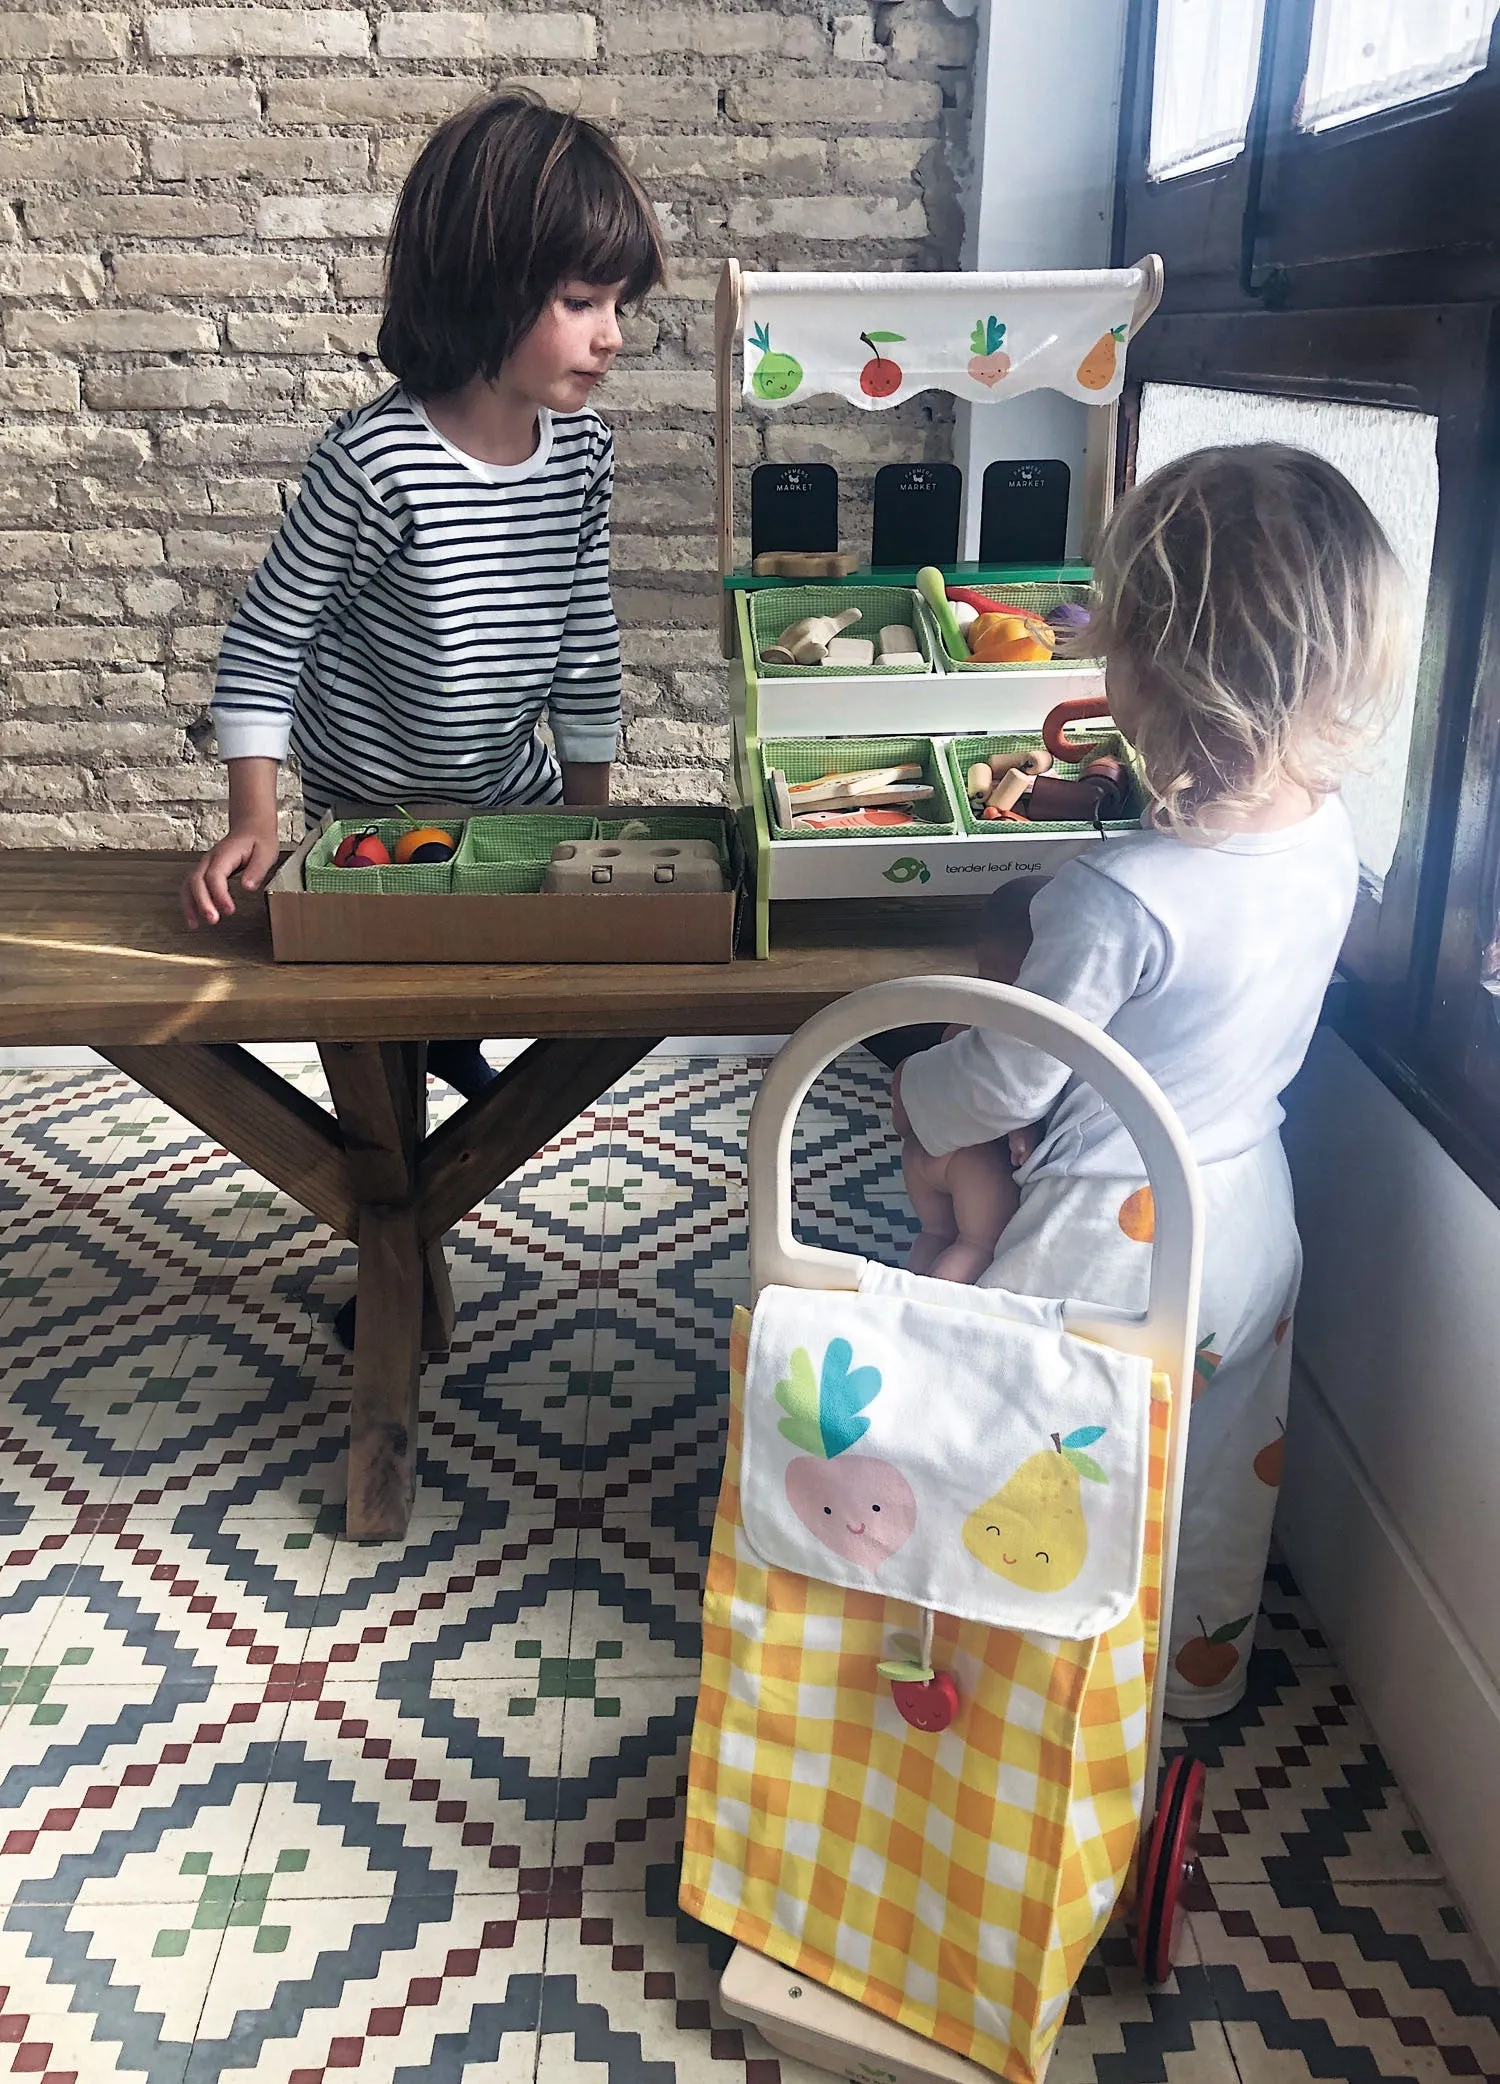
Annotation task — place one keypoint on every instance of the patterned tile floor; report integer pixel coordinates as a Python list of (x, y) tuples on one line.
[(282, 1807)]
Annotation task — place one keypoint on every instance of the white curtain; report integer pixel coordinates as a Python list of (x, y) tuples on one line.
[(1206, 62), (1376, 54)]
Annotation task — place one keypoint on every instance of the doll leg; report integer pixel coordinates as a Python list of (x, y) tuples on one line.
[(929, 1197), (985, 1197)]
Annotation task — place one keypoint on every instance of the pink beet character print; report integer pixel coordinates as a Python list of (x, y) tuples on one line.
[(855, 1504)]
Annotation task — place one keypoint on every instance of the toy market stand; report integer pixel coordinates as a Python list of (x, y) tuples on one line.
[(93, 953)]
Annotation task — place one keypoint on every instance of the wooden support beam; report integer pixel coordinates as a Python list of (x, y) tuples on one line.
[(375, 1094), (532, 1100), (239, 1101), (438, 1309)]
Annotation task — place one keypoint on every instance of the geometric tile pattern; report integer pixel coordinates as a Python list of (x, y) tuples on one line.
[(279, 1806)]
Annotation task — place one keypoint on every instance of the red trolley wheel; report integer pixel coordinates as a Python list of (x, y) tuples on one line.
[(1168, 1860)]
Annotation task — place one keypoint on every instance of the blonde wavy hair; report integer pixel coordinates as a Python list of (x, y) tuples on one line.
[(1261, 616)]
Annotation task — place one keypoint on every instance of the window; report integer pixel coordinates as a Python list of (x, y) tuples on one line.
[(1206, 59), (1369, 55)]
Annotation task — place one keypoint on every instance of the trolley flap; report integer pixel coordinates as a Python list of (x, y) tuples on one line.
[(990, 1468)]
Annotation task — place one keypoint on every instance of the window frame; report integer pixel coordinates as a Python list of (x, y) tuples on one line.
[(1305, 219)]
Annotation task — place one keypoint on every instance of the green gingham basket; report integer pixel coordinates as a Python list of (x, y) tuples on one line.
[(774, 609), (963, 752), (419, 879), (508, 857), (804, 759), (1036, 596)]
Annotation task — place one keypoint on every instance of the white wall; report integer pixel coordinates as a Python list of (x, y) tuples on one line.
[(1390, 1515), (1047, 112)]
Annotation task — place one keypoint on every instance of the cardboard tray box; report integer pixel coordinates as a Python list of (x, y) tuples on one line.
[(664, 926)]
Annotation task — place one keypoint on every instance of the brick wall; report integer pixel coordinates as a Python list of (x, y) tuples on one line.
[(192, 206)]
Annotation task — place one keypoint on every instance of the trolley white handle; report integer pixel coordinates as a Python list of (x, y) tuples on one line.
[(1165, 1333)]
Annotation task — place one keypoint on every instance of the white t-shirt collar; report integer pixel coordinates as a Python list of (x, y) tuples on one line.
[(494, 473)]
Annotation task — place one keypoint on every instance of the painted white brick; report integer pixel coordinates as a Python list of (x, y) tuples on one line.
[(716, 32), (227, 276), (61, 275), (128, 97), (257, 32), (841, 217), (324, 217), (165, 332), (29, 33), (570, 37)]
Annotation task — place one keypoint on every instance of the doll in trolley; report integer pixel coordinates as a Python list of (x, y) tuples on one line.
[(971, 1549)]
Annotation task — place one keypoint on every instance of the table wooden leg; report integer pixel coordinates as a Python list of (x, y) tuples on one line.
[(387, 1371), (378, 1092), (437, 1300)]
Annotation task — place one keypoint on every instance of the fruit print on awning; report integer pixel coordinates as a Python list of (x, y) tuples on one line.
[(876, 339)]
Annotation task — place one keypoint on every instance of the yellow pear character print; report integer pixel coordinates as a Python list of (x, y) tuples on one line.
[(1033, 1531)]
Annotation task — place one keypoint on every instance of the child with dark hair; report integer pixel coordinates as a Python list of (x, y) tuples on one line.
[(443, 576)]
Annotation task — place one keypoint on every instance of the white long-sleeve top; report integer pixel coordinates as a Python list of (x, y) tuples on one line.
[(1208, 964), (419, 609)]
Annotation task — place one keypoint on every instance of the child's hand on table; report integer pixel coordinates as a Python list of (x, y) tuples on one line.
[(249, 851), (245, 852)]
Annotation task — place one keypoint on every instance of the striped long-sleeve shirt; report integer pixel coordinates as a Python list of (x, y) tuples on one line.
[(418, 610)]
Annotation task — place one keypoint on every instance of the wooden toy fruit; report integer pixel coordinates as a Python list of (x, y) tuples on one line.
[(1009, 640), (880, 378), (1096, 372), (361, 850), (929, 1704), (425, 843)]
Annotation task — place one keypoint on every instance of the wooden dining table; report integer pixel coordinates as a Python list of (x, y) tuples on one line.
[(94, 953)]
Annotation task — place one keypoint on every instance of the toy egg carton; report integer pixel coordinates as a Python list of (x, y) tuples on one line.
[(983, 338)]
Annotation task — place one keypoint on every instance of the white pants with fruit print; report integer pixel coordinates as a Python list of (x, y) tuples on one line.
[(1090, 1240)]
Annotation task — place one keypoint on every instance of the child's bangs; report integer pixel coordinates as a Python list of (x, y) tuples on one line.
[(605, 231)]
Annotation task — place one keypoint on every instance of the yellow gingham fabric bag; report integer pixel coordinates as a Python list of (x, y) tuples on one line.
[(954, 1883)]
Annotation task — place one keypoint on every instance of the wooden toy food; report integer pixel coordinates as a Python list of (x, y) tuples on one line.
[(804, 564), (805, 643), (1101, 791), (1055, 726), (633, 867), (883, 786), (933, 589), (881, 818), (996, 640), (425, 843), (849, 651), (361, 850), (985, 775), (898, 646)]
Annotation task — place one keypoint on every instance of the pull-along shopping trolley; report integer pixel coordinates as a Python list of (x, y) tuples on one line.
[(929, 1727)]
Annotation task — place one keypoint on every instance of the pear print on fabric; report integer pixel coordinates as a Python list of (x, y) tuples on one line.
[(1033, 1531), (857, 1505)]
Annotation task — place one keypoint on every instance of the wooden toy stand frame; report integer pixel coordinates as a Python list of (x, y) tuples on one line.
[(875, 704)]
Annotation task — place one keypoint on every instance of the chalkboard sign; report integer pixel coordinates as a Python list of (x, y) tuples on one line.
[(794, 506), (1023, 515), (916, 515)]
